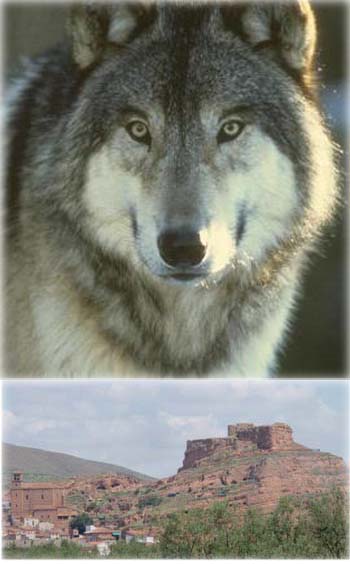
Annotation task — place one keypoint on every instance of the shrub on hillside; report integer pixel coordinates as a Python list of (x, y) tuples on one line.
[(296, 529), (151, 500)]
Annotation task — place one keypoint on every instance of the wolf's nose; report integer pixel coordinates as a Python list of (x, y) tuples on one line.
[(181, 248)]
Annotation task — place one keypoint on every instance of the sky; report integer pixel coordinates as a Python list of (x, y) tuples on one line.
[(144, 424)]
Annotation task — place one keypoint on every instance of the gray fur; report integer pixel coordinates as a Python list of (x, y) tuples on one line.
[(90, 296)]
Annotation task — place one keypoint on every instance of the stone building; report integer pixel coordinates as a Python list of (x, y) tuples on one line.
[(41, 500), (243, 438), (265, 437)]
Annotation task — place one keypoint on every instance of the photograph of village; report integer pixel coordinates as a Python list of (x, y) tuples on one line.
[(240, 489)]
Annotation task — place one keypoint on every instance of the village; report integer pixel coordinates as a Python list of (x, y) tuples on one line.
[(253, 467), (36, 513)]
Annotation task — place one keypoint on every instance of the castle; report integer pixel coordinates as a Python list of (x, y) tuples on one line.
[(44, 501), (243, 438)]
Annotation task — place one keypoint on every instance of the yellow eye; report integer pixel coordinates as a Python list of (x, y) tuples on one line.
[(230, 130), (139, 132)]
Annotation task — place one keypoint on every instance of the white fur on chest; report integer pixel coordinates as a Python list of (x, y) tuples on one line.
[(71, 344)]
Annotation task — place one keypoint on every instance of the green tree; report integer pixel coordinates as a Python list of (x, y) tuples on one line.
[(295, 529), (224, 525), (200, 533), (289, 532), (253, 536), (80, 522), (187, 535), (282, 520), (329, 523)]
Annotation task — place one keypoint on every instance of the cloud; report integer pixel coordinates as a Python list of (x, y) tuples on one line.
[(9, 421), (188, 421), (144, 424), (41, 425), (184, 427)]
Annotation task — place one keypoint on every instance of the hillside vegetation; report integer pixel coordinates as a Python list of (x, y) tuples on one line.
[(43, 465)]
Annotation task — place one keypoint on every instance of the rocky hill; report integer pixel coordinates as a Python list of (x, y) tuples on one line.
[(43, 465), (254, 466)]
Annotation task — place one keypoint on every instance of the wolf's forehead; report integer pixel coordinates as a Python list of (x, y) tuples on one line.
[(186, 21), (200, 57), (185, 65), (184, 54), (179, 74)]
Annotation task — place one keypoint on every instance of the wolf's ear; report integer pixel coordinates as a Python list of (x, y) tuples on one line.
[(92, 26), (288, 27)]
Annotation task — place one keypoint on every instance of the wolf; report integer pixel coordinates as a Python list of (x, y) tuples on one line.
[(169, 173)]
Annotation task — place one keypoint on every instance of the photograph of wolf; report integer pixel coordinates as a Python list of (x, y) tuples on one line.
[(169, 175)]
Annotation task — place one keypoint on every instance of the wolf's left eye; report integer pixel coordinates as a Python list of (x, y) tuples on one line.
[(139, 132), (230, 130)]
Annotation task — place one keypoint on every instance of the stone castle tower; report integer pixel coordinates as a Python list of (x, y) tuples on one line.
[(265, 437), (243, 437)]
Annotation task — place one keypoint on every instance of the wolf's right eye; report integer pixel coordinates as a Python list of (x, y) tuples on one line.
[(139, 132)]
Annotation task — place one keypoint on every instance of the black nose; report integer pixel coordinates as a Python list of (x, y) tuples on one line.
[(181, 248)]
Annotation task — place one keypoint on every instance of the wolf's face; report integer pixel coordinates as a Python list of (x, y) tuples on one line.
[(189, 193), (197, 151)]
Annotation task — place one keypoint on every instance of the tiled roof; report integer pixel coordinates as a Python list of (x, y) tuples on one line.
[(66, 511), (9, 530), (43, 534), (145, 533), (50, 507), (99, 531), (40, 486), (133, 532)]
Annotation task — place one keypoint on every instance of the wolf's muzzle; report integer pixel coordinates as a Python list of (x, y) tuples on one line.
[(181, 248)]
